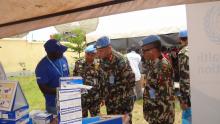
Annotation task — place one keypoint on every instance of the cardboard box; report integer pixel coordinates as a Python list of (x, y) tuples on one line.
[(69, 101), (14, 115), (71, 80), (22, 120), (42, 118)]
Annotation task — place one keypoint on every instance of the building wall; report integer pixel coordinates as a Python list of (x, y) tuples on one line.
[(15, 51)]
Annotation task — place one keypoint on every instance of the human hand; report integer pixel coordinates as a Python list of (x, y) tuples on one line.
[(102, 103), (184, 106), (125, 119), (54, 121)]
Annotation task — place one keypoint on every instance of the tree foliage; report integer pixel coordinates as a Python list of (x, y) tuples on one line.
[(76, 41), (58, 37)]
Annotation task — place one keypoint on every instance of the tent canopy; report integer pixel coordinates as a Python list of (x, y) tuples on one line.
[(26, 15), (163, 20), (41, 34)]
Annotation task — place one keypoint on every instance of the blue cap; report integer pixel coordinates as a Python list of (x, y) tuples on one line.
[(90, 49), (102, 42), (149, 40), (53, 45), (183, 33)]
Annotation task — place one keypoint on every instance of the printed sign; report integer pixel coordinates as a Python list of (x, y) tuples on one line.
[(7, 94)]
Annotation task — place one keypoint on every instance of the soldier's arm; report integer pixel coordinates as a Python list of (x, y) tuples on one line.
[(101, 81), (184, 78), (165, 83), (127, 75)]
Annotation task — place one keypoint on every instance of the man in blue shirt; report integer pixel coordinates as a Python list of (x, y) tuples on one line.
[(49, 70)]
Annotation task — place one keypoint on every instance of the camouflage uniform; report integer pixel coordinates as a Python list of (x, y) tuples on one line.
[(146, 65), (119, 95), (158, 97), (174, 58), (184, 76), (91, 75)]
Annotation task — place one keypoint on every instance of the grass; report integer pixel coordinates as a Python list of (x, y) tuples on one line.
[(36, 100), (32, 92)]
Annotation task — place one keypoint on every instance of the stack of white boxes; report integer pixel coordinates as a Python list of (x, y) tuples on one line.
[(70, 110), (69, 101)]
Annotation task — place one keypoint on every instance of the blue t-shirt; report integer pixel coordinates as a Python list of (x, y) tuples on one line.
[(48, 72)]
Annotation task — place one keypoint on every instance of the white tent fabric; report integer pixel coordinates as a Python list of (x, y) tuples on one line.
[(40, 34), (141, 23)]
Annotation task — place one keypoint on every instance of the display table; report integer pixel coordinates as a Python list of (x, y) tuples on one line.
[(106, 119)]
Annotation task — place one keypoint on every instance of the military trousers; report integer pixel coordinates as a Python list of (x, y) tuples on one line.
[(121, 107), (93, 107), (159, 112)]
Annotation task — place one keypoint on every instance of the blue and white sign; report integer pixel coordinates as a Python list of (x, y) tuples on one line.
[(203, 22)]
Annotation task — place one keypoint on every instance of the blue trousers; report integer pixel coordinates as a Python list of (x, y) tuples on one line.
[(51, 109), (187, 116)]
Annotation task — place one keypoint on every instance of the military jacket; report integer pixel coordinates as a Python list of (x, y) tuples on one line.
[(91, 76), (118, 82), (159, 93), (184, 75)]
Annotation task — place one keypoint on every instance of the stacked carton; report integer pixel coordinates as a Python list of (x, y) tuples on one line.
[(40, 117), (69, 101)]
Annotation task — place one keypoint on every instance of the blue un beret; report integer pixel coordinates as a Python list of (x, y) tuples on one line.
[(183, 33), (90, 49), (149, 40), (102, 42)]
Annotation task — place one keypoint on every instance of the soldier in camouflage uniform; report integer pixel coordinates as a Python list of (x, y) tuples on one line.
[(89, 71), (158, 106), (118, 80), (184, 96)]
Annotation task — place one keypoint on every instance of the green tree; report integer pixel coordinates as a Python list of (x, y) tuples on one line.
[(58, 37), (76, 41)]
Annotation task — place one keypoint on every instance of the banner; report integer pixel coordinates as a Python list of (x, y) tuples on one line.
[(203, 22), (7, 95)]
